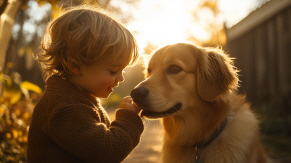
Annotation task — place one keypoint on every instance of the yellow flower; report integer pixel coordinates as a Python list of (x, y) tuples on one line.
[(8, 135), (2, 110), (20, 133), (30, 86), (24, 139), (20, 139), (9, 122), (17, 112), (26, 115), (15, 134)]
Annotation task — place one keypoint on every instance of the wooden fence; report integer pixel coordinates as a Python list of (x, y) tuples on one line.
[(261, 44)]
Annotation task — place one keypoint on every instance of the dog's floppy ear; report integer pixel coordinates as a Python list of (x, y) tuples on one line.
[(215, 74)]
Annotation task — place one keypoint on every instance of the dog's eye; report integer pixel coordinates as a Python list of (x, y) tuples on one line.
[(149, 71), (174, 69)]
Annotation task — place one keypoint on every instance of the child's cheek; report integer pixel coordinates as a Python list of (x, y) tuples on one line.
[(109, 82)]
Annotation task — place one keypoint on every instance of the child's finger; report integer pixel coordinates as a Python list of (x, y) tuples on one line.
[(127, 99)]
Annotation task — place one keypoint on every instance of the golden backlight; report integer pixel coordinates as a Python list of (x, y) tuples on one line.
[(166, 22), (161, 22)]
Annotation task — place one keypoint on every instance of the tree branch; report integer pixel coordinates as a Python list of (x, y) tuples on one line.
[(3, 6)]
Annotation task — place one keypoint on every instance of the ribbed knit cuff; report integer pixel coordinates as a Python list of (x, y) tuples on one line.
[(130, 116)]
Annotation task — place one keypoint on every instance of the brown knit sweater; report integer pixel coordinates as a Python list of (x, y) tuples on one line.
[(70, 126)]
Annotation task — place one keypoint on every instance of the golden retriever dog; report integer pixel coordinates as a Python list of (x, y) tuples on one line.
[(193, 90)]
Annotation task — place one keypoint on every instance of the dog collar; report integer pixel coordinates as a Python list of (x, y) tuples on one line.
[(213, 137), (199, 145)]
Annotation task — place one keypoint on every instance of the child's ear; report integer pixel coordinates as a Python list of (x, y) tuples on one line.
[(74, 67)]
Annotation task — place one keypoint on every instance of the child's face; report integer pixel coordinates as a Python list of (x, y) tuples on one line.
[(100, 79)]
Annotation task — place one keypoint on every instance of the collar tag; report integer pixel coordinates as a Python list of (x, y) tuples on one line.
[(198, 158)]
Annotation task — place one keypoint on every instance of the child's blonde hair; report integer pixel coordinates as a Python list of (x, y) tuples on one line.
[(85, 34)]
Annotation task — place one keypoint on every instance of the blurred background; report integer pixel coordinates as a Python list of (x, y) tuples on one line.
[(256, 32)]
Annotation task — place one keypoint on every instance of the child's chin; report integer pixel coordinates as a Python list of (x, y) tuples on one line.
[(106, 96)]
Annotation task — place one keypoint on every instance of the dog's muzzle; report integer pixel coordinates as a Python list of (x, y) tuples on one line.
[(139, 96)]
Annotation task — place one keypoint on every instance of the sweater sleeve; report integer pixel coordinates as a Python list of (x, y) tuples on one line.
[(80, 131)]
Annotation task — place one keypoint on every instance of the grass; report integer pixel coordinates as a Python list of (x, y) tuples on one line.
[(278, 147)]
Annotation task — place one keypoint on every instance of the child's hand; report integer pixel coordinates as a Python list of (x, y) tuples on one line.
[(127, 103)]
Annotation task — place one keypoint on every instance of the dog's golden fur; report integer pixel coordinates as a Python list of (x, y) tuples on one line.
[(204, 82)]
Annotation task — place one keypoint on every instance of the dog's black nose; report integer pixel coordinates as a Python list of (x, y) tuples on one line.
[(139, 93)]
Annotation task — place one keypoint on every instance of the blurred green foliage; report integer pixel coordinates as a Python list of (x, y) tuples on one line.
[(273, 122), (16, 105), (276, 130), (112, 101)]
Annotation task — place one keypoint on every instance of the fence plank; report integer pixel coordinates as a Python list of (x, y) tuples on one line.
[(264, 57)]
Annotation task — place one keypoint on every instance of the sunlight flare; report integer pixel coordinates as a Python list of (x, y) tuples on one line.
[(165, 22)]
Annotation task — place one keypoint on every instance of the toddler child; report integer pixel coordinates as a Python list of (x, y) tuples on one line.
[(85, 52)]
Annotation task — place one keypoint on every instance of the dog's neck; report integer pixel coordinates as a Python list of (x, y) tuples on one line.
[(213, 137), (179, 133), (192, 128)]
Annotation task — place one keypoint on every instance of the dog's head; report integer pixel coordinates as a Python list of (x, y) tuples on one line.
[(182, 75)]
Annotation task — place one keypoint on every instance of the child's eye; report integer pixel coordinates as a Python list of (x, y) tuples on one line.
[(113, 72)]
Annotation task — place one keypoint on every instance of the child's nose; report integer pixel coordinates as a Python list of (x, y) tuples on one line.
[(120, 78)]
